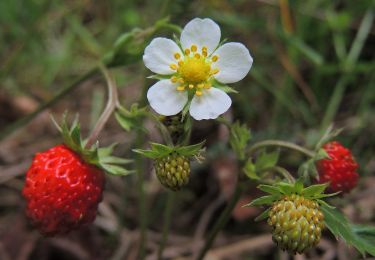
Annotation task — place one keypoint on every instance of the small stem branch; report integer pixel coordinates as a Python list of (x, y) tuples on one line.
[(280, 143), (221, 221), (112, 103), (286, 174), (167, 221)]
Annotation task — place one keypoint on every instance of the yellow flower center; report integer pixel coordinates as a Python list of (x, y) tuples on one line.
[(194, 70)]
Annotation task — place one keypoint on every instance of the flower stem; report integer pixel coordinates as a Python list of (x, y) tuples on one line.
[(280, 143), (167, 221), (112, 102), (221, 221)]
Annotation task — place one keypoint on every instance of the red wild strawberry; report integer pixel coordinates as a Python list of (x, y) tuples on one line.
[(62, 191), (339, 170)]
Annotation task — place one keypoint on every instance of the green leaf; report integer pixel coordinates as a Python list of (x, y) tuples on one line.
[(250, 170), (362, 239), (263, 215), (266, 160), (265, 200), (224, 87), (240, 135), (190, 150)]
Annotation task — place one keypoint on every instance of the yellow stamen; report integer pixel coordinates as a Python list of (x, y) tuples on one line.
[(194, 48), (198, 93), (181, 88), (214, 71), (174, 79), (204, 49), (204, 53), (181, 80), (191, 86), (180, 63), (200, 85), (215, 58), (173, 66), (177, 56), (207, 86), (197, 55), (187, 51)]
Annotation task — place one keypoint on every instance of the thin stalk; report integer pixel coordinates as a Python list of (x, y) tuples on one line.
[(282, 171), (63, 92), (221, 221), (167, 222), (139, 163), (112, 102), (280, 143)]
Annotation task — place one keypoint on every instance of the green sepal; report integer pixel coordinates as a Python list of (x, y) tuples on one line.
[(100, 157), (161, 150), (223, 87), (264, 200), (361, 237), (263, 215), (190, 150), (281, 189)]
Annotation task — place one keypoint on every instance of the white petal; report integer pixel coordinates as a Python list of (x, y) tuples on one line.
[(159, 54), (201, 32), (234, 62), (165, 99), (210, 105)]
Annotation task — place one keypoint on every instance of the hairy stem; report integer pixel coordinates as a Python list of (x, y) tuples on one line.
[(280, 143), (112, 102), (167, 222), (221, 221)]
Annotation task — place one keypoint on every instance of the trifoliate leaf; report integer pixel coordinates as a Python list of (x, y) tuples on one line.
[(250, 170), (358, 236), (240, 135), (266, 160)]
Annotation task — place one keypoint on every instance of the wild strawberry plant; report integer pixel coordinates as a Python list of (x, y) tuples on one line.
[(65, 183)]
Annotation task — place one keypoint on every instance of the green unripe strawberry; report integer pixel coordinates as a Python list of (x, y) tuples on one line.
[(296, 222), (173, 170)]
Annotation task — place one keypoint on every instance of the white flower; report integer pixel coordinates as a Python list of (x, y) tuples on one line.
[(193, 69)]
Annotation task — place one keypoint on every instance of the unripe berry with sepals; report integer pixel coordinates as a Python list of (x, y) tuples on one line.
[(294, 214), (339, 169), (296, 223), (172, 163), (173, 170)]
